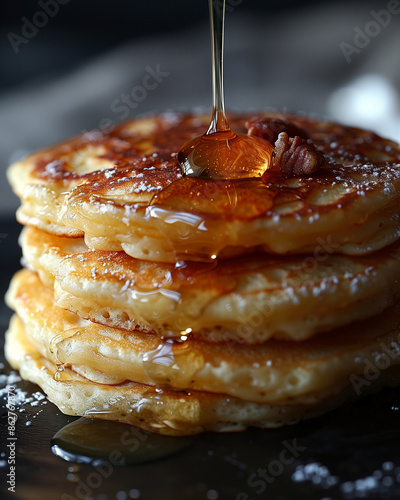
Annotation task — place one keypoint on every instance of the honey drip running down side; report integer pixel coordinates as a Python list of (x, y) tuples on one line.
[(221, 153)]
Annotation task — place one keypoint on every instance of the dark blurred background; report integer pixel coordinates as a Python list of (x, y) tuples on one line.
[(73, 65), (81, 30)]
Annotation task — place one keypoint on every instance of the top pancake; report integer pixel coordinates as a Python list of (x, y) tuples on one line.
[(124, 190)]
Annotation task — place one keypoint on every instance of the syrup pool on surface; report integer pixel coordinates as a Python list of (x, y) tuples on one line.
[(92, 441), (221, 153)]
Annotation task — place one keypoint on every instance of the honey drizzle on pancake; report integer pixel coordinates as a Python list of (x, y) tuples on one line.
[(163, 367), (221, 153)]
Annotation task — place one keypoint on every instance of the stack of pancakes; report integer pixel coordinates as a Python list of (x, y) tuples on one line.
[(182, 305)]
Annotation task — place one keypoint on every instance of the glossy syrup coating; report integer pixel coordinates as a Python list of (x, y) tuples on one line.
[(225, 156), (124, 189)]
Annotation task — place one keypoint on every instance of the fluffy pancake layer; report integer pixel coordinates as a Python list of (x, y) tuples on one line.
[(276, 372), (248, 299), (165, 412), (124, 191)]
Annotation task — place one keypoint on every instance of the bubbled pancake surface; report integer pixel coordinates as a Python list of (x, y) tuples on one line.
[(248, 299), (123, 190), (276, 372)]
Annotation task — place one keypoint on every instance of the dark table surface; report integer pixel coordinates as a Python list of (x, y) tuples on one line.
[(353, 452)]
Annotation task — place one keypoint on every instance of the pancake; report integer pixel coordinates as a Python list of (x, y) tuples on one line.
[(180, 304), (162, 411), (248, 299), (276, 372), (124, 190)]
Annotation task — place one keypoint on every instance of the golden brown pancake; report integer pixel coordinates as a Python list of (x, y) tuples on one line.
[(282, 290), (166, 412), (124, 190), (248, 299), (276, 372)]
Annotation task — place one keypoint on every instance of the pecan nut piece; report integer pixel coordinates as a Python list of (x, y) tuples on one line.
[(296, 156), (270, 128)]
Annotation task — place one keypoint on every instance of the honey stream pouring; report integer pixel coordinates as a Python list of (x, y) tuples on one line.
[(221, 154)]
